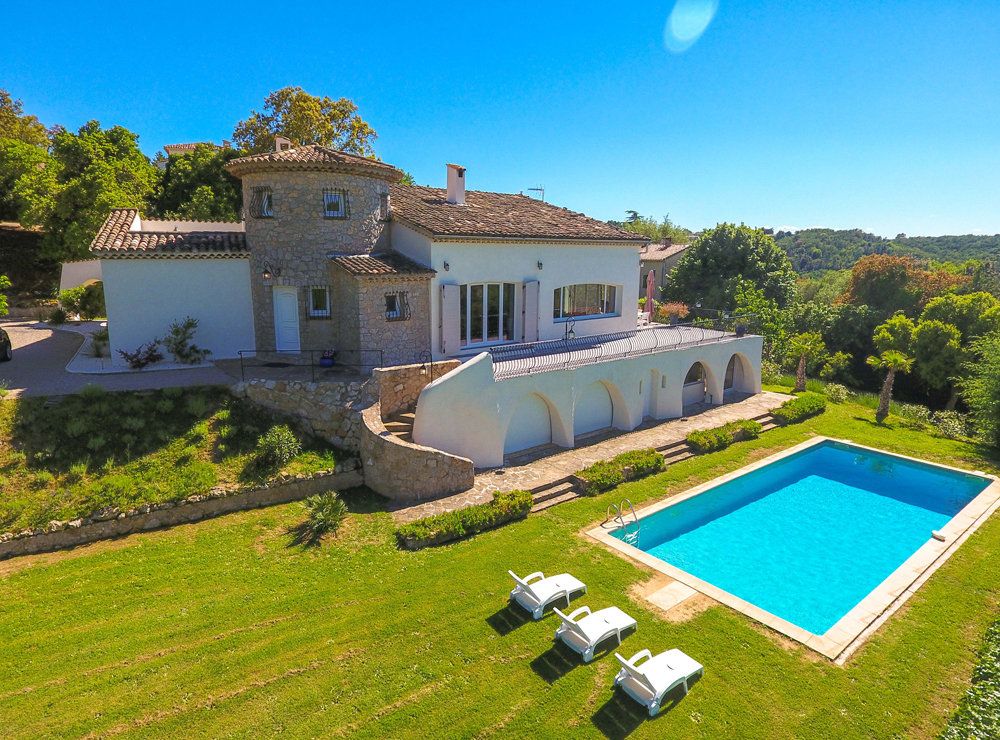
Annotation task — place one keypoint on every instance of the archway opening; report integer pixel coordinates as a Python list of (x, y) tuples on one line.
[(739, 379), (695, 385)]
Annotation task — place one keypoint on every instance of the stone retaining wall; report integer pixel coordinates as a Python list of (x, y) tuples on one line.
[(405, 471), (113, 523), (399, 387), (328, 410)]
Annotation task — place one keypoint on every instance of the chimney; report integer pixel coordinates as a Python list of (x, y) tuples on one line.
[(456, 185), (281, 143)]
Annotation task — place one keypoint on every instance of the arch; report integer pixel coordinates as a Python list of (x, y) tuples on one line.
[(739, 378), (694, 389), (530, 424), (593, 409)]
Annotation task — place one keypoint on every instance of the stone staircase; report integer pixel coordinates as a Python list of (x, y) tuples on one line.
[(401, 425)]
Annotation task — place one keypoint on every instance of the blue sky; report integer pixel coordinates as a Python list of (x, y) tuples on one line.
[(881, 115)]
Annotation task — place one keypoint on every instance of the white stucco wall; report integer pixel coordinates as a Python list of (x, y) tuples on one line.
[(562, 264), (79, 273), (144, 296), (468, 413)]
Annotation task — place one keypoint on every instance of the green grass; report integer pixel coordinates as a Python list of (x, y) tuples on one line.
[(225, 628), (61, 459)]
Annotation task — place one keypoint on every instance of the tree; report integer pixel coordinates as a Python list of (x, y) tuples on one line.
[(938, 353), (888, 284), (18, 159), (895, 333), (197, 186), (981, 387), (892, 362), (653, 230), (4, 285), (713, 266), (806, 347), (973, 314), (772, 323), (93, 171), (305, 119), (14, 124)]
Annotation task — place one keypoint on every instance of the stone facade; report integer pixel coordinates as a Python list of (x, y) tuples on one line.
[(400, 341), (399, 387)]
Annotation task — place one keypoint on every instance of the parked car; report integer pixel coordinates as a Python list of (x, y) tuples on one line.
[(6, 348)]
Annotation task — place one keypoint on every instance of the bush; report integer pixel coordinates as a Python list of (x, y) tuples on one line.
[(58, 316), (607, 474), (275, 449), (950, 424), (326, 513), (147, 354), (710, 440), (440, 528), (978, 713), (179, 342), (837, 393), (800, 408), (100, 340), (913, 412), (770, 372), (85, 301)]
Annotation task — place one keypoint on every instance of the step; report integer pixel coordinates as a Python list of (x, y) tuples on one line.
[(553, 492), (560, 499), (542, 487), (406, 416), (398, 426)]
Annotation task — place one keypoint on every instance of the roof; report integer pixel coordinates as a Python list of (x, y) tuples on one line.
[(498, 216), (125, 234), (313, 157), (187, 147), (387, 263), (659, 251)]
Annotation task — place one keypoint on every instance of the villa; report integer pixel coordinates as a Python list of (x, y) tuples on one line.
[(538, 303)]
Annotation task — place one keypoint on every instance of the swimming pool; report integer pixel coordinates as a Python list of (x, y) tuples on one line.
[(808, 535)]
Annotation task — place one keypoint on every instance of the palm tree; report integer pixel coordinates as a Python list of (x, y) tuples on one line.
[(892, 361), (806, 347)]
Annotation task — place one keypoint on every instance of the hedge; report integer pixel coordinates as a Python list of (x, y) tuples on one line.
[(710, 440), (440, 528), (978, 713), (801, 407), (607, 474)]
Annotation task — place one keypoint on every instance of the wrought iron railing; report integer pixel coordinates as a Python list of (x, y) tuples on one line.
[(512, 361), (308, 364)]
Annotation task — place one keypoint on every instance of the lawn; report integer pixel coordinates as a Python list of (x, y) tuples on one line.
[(226, 628), (65, 458)]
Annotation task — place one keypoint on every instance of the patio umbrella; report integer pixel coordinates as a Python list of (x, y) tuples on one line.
[(650, 291)]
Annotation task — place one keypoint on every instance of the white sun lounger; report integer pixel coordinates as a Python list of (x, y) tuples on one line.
[(650, 682), (535, 592), (583, 631)]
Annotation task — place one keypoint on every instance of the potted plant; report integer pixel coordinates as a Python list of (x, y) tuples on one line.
[(327, 358)]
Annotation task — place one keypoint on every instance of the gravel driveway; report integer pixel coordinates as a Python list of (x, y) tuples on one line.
[(41, 354)]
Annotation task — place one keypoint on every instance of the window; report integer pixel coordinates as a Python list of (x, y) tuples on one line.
[(335, 204), (586, 300), (261, 202), (397, 307), (487, 313), (383, 206), (319, 301)]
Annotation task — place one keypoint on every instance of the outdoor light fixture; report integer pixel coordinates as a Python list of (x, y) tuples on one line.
[(446, 266), (267, 273), (569, 334), (539, 264)]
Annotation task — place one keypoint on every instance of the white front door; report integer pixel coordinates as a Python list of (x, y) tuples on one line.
[(286, 319)]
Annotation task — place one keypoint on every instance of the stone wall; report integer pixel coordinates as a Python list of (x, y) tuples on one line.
[(401, 341), (330, 410), (112, 523), (400, 386), (408, 472)]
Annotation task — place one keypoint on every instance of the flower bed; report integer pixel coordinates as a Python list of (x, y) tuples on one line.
[(453, 525)]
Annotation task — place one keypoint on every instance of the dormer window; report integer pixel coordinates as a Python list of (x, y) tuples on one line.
[(261, 202), (335, 204)]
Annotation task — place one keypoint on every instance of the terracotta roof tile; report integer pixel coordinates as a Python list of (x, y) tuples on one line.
[(656, 252), (498, 215), (315, 158), (117, 239), (387, 263)]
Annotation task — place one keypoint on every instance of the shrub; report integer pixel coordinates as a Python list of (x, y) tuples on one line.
[(57, 316), (837, 393), (326, 513), (709, 440), (275, 449), (92, 302), (978, 713), (770, 372), (913, 412), (145, 355), (950, 424), (607, 474), (100, 340), (800, 408), (440, 528), (179, 342)]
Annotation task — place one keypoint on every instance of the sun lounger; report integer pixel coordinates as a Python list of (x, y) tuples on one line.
[(535, 592), (648, 682), (584, 630)]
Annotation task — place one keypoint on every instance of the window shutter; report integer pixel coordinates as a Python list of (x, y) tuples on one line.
[(530, 304), (450, 320)]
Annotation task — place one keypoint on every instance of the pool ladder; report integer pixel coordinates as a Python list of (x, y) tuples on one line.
[(629, 536)]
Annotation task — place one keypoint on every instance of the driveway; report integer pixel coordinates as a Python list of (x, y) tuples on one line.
[(41, 354)]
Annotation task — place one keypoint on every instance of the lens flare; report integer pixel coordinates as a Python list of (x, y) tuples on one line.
[(687, 22)]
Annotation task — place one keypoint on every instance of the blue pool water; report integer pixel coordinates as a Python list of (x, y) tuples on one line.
[(810, 535)]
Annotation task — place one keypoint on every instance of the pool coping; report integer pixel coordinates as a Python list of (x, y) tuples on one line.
[(842, 639)]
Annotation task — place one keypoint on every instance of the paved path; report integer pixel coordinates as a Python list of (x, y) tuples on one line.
[(41, 354), (561, 463)]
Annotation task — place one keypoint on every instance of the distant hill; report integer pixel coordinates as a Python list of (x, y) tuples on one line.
[(831, 249)]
